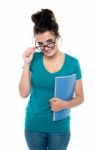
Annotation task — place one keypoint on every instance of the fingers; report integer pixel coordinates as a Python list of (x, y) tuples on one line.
[(55, 108), (54, 103), (29, 51), (53, 99)]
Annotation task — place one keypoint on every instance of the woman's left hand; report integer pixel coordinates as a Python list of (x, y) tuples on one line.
[(57, 104)]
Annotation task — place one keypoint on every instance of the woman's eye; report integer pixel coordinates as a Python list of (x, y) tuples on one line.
[(40, 44), (50, 41)]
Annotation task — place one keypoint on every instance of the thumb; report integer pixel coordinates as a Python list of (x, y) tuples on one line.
[(32, 50), (53, 100)]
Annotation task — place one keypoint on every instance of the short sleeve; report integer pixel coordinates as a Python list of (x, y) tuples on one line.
[(78, 70), (34, 61)]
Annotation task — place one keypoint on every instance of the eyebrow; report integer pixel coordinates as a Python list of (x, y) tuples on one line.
[(49, 40)]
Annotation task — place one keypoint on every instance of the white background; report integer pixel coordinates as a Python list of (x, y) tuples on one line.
[(79, 28)]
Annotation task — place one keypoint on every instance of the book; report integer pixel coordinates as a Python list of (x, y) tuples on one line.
[(64, 89)]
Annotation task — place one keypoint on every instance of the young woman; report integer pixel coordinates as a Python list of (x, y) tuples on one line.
[(38, 79)]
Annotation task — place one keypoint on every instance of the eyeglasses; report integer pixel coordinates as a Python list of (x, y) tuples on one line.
[(42, 46)]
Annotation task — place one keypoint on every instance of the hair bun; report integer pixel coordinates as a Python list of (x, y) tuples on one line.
[(43, 16)]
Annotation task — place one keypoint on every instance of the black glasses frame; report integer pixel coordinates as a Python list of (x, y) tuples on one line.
[(46, 45)]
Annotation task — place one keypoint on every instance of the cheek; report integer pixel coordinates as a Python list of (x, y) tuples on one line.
[(56, 47)]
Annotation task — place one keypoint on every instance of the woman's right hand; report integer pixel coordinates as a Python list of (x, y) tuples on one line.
[(28, 55)]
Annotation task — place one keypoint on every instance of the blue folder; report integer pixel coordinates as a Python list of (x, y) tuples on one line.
[(64, 89)]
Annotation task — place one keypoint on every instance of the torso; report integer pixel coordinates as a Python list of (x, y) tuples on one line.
[(39, 116)]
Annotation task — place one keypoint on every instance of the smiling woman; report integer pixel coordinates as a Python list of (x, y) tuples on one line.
[(38, 80)]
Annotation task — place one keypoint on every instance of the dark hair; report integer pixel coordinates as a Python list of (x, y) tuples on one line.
[(44, 20)]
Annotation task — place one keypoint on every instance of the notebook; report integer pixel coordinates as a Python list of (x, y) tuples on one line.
[(64, 89)]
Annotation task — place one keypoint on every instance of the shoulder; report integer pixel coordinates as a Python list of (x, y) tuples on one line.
[(75, 65), (36, 56), (71, 59), (36, 60)]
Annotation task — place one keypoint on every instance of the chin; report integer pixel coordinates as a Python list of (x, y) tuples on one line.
[(50, 54)]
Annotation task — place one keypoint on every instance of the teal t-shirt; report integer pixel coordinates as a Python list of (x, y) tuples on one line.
[(39, 116)]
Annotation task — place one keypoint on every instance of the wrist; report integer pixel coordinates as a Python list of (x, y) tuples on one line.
[(26, 66), (66, 104)]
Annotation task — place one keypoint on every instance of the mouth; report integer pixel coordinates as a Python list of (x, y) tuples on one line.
[(48, 51)]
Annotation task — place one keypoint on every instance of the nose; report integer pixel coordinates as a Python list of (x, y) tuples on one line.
[(46, 48)]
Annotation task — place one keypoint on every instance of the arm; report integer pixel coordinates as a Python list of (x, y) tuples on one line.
[(58, 104), (25, 82), (79, 95)]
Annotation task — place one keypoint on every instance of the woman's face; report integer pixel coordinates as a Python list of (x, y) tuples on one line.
[(47, 43)]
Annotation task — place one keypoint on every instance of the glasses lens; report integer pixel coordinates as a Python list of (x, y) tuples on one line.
[(50, 45), (40, 47)]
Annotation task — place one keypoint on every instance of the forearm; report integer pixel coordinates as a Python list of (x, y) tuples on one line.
[(25, 82), (77, 100)]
